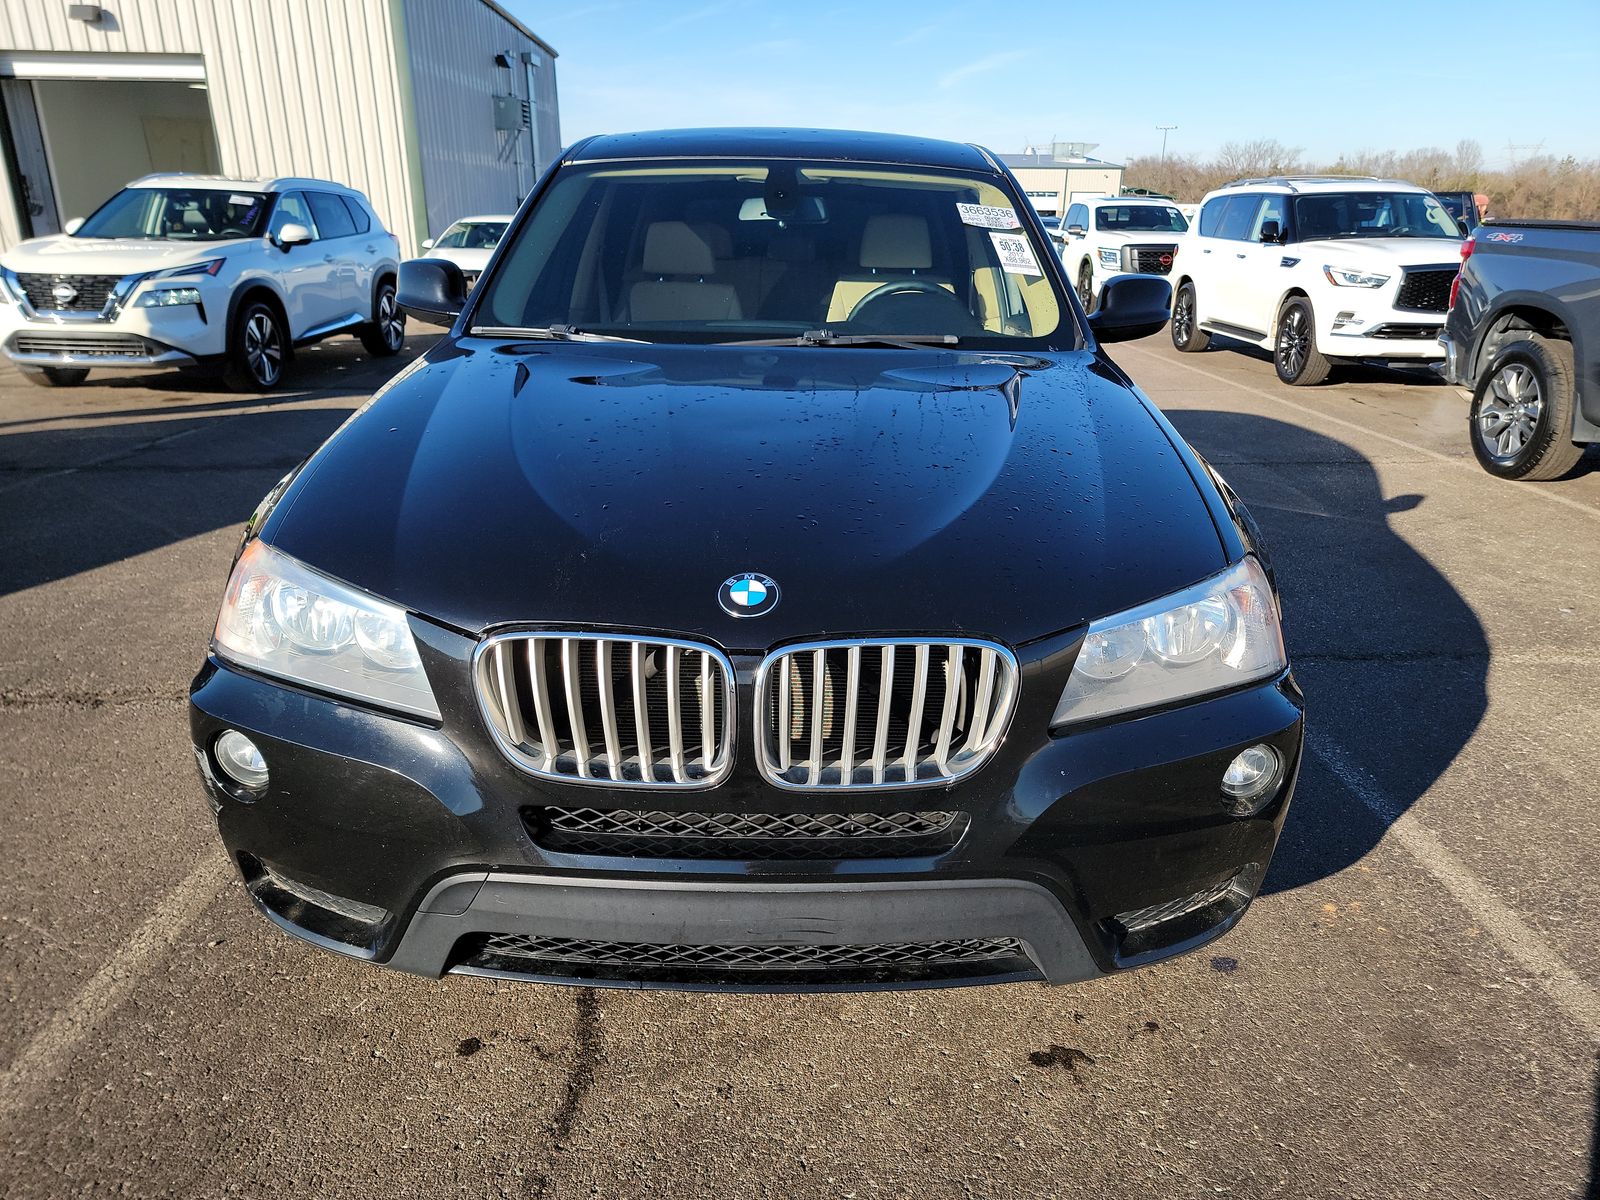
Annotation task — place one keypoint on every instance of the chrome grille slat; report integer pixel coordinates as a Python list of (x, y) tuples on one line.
[(621, 712), (933, 709)]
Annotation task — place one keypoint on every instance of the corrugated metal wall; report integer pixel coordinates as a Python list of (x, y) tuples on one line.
[(318, 87), (467, 165)]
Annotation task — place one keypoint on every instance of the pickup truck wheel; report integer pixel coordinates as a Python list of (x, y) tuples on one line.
[(1086, 286), (55, 376), (1187, 335), (257, 348), (386, 334), (1296, 356), (1521, 414)]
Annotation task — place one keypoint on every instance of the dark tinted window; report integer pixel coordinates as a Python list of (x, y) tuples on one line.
[(1211, 216), (333, 218), (1237, 217), (1131, 218), (358, 214), (1078, 214)]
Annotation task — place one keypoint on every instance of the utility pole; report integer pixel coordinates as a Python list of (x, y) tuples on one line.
[(1164, 131)]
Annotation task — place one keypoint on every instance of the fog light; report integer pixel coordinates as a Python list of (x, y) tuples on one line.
[(1250, 778), (240, 759)]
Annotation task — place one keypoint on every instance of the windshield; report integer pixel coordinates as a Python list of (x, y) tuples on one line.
[(471, 235), (178, 215), (726, 251), (1372, 214), (1140, 218)]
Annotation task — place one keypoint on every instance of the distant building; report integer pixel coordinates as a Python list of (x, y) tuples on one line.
[(436, 109), (1055, 176)]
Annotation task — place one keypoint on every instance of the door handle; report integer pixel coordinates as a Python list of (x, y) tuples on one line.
[(1238, 256), (1205, 250)]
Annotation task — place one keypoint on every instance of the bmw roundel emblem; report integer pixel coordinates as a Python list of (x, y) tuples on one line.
[(749, 595)]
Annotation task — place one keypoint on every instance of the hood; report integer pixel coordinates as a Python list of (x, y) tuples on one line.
[(61, 254), (1388, 252), (886, 491), (467, 260)]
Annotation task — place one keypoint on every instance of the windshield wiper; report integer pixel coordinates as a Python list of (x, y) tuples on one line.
[(554, 333), (826, 337)]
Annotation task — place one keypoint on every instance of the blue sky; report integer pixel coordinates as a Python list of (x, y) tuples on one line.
[(1325, 77)]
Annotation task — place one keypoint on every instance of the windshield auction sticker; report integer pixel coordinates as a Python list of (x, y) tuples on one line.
[(988, 216), (1016, 255)]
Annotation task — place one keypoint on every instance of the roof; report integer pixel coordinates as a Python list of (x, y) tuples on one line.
[(835, 144), (521, 28), (280, 183), (1321, 183), (1045, 161)]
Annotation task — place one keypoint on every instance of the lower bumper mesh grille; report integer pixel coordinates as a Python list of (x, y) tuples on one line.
[(648, 833), (110, 345), (534, 954)]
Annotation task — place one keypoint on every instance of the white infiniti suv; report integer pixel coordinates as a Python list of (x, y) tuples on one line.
[(1117, 235), (194, 270), (1318, 269)]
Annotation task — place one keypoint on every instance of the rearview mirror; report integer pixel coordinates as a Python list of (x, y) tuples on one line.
[(72, 226), (292, 233), (432, 290), (1131, 306), (427, 243), (1270, 231)]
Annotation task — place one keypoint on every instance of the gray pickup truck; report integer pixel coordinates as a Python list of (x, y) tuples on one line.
[(1524, 334)]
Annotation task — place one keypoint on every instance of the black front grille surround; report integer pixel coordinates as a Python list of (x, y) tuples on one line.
[(1425, 289), (1149, 260), (877, 963), (90, 292), (744, 836), (106, 345)]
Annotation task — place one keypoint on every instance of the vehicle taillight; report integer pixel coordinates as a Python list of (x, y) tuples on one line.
[(1466, 253)]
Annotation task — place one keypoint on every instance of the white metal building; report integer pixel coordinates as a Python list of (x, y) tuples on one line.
[(436, 109), (1055, 177)]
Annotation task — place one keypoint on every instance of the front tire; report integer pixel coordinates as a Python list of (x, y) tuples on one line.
[(258, 346), (1187, 335), (1295, 354), (1086, 286), (55, 376), (1520, 421), (386, 335)]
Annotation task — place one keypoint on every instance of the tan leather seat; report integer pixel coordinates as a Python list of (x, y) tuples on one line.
[(894, 246), (677, 283)]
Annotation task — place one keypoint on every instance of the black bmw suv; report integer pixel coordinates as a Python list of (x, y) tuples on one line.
[(768, 582)]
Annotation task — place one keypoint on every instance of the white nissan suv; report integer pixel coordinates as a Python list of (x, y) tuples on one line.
[(1318, 269), (1117, 235), (198, 270)]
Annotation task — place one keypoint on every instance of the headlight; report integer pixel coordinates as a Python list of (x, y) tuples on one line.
[(1110, 256), (1347, 277), (282, 618), (167, 297), (1211, 637), (210, 267)]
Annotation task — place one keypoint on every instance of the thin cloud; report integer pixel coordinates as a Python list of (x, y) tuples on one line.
[(990, 62), (698, 14)]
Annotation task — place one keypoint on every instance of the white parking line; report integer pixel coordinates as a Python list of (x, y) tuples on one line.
[(47, 1051), (1532, 491), (1523, 943)]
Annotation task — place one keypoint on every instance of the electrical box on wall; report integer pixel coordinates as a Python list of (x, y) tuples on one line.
[(511, 113)]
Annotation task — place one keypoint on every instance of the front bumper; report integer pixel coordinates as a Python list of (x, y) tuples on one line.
[(179, 336), (408, 845)]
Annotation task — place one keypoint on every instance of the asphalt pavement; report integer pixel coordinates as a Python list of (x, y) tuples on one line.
[(1411, 1008)]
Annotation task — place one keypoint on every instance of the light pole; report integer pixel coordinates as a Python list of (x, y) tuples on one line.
[(1165, 129)]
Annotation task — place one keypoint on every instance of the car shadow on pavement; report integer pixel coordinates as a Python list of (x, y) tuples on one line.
[(1343, 372), (75, 499), (1393, 660)]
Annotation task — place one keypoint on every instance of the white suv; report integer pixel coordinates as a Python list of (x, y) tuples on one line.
[(1117, 235), (1318, 269), (193, 270)]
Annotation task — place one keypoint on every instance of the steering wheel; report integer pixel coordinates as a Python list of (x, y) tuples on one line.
[(896, 287)]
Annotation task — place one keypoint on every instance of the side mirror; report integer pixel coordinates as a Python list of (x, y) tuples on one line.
[(72, 226), (1075, 230), (293, 234), (432, 290), (427, 243), (1270, 232), (1131, 306)]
